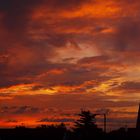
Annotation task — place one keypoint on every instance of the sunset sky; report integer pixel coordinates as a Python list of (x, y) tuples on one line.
[(58, 56)]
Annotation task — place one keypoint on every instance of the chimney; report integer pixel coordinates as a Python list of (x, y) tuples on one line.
[(138, 119)]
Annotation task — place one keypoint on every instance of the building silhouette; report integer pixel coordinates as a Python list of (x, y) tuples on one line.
[(134, 133), (138, 119)]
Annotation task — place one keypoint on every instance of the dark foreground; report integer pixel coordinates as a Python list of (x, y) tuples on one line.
[(85, 128), (61, 133)]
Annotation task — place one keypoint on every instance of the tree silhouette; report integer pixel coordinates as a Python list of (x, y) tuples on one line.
[(86, 121), (85, 127)]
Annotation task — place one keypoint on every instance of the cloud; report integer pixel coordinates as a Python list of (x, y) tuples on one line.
[(63, 120), (129, 87), (19, 110), (26, 109), (82, 53), (53, 107), (45, 39), (12, 121), (16, 13)]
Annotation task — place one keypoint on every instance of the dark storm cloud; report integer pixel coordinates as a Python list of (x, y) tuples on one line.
[(74, 75), (16, 16), (19, 110), (128, 35), (26, 109), (95, 59), (11, 121), (123, 42), (17, 12), (129, 87), (63, 120)]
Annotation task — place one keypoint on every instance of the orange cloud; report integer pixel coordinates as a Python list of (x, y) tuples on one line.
[(68, 55)]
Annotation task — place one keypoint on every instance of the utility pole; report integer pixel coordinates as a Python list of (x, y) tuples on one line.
[(105, 119), (104, 122)]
